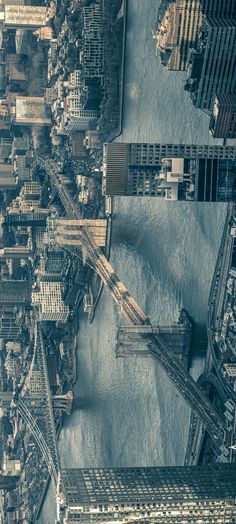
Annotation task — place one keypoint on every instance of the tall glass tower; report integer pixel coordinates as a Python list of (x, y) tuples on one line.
[(15, 293), (166, 495)]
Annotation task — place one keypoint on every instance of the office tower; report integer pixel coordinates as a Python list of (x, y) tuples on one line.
[(16, 252), (223, 117), (24, 16), (36, 218), (7, 177), (10, 324), (6, 398), (31, 110), (49, 301), (178, 29), (224, 8), (5, 148), (93, 41), (212, 64), (162, 495), (22, 169), (179, 24), (78, 119), (170, 171), (7, 482), (15, 293)]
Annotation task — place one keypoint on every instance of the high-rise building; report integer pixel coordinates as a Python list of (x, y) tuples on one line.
[(212, 64), (16, 252), (49, 301), (223, 117), (10, 329), (77, 119), (15, 292), (6, 398), (5, 148), (93, 41), (27, 16), (22, 170), (7, 177), (7, 482), (16, 72), (178, 30), (163, 495), (31, 110), (37, 217), (224, 8), (170, 171), (179, 24)]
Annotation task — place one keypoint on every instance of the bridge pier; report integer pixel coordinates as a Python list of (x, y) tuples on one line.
[(63, 402), (131, 342)]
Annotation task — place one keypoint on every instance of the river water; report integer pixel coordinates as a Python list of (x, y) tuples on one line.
[(127, 413)]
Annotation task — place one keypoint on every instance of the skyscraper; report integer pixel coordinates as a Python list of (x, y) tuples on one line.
[(223, 117), (24, 16), (49, 301), (7, 177), (224, 8), (162, 495), (170, 171), (31, 110), (15, 292), (7, 482), (212, 64), (178, 29), (179, 25)]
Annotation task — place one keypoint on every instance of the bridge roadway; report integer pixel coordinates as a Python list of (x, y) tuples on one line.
[(197, 431), (187, 387)]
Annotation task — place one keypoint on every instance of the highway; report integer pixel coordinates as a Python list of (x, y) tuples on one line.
[(217, 294), (215, 305), (187, 387)]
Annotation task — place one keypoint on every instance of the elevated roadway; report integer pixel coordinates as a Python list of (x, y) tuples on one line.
[(215, 305), (217, 294)]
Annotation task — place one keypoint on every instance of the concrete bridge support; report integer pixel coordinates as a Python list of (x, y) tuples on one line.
[(131, 343)]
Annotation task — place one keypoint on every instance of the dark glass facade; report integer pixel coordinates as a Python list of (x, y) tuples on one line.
[(163, 495), (134, 169), (120, 485)]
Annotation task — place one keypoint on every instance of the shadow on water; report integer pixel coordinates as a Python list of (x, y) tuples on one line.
[(199, 339), (84, 403)]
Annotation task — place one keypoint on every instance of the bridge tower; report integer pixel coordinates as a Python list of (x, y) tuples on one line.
[(69, 232), (131, 341), (63, 402)]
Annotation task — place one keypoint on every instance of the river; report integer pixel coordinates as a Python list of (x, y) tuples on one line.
[(127, 413)]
